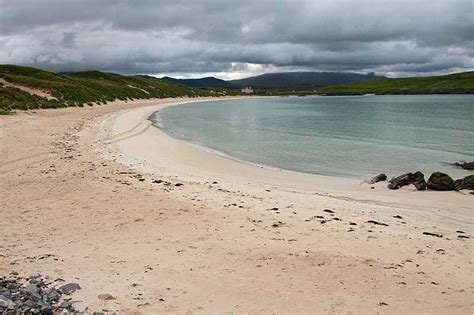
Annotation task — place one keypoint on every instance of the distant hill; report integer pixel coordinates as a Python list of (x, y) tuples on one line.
[(303, 79), (29, 88), (457, 83), (209, 82)]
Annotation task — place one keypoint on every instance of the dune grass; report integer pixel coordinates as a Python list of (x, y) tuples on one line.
[(82, 88)]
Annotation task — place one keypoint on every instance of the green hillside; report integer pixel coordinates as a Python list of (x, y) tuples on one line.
[(457, 83), (303, 79), (79, 89)]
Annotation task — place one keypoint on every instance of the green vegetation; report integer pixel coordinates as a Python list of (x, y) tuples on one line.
[(459, 83), (83, 88), (95, 87), (301, 80)]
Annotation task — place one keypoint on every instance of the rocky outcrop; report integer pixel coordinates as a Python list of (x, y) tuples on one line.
[(465, 165), (417, 179), (379, 178), (440, 181), (464, 183)]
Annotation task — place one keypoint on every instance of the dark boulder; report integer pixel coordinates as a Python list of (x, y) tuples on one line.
[(440, 181), (465, 165), (417, 179), (464, 183), (400, 181), (379, 178)]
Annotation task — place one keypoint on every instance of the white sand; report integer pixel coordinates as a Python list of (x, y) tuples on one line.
[(73, 206)]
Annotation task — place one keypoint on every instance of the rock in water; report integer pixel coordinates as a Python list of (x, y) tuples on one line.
[(466, 166), (440, 181), (464, 183), (379, 178)]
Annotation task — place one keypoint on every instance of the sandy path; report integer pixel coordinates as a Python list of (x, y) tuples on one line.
[(212, 247)]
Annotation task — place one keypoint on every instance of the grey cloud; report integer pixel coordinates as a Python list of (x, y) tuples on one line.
[(397, 37)]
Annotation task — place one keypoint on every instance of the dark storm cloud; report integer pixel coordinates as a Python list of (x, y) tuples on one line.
[(397, 37)]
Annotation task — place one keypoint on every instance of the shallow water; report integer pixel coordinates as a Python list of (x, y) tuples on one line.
[(354, 136)]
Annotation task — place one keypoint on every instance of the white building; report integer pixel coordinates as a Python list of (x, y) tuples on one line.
[(247, 89)]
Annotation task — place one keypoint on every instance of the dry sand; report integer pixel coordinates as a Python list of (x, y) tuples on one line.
[(78, 202)]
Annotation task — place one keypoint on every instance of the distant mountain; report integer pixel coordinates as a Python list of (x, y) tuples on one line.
[(209, 82), (304, 79), (457, 83)]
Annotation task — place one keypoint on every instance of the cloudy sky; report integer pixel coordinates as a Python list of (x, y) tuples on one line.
[(233, 39)]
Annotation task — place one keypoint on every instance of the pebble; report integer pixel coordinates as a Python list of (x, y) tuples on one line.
[(33, 295), (105, 296)]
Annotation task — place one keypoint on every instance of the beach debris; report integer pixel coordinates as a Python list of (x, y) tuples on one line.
[(273, 209), (157, 181), (417, 179), (328, 211), (278, 224), (433, 234), (377, 223), (464, 183), (33, 295), (105, 297), (383, 304), (178, 184), (440, 181), (397, 216), (463, 236), (465, 165), (460, 232), (69, 288), (379, 178)]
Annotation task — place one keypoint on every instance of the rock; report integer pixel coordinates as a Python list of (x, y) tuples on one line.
[(417, 179), (69, 288), (105, 296), (440, 181), (6, 303), (379, 178), (400, 181), (376, 223), (466, 166), (464, 183), (420, 185), (31, 295), (433, 234)]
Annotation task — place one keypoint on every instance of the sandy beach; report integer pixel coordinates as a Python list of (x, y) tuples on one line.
[(98, 196)]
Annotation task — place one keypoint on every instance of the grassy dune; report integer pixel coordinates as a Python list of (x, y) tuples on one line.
[(458, 83), (79, 89)]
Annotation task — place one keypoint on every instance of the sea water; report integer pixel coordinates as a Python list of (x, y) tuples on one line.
[(351, 136)]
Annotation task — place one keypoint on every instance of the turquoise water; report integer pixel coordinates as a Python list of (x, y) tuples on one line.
[(354, 136)]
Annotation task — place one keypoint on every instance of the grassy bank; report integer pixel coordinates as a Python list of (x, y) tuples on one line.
[(30, 88), (459, 83)]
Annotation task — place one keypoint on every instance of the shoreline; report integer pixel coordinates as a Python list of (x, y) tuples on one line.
[(363, 179), (202, 162), (95, 196)]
